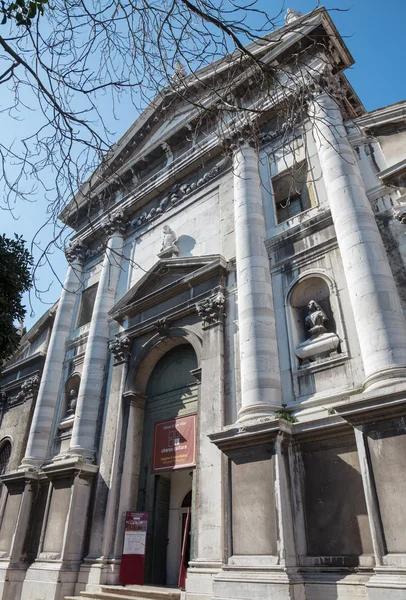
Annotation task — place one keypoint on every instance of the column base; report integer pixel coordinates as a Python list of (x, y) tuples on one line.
[(50, 580), (385, 377), (95, 572), (199, 580), (11, 580), (257, 584), (388, 583), (257, 411)]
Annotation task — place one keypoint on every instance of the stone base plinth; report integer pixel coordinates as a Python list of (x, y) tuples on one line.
[(388, 583), (241, 584)]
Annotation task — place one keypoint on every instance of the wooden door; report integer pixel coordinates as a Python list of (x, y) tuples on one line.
[(160, 539)]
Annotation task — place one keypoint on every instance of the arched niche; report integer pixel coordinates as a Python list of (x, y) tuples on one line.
[(314, 319)]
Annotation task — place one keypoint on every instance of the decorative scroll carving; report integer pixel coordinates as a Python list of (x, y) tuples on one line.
[(178, 193), (120, 348), (76, 251), (114, 223), (169, 247), (163, 326), (211, 309)]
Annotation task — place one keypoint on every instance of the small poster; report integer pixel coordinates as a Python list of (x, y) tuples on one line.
[(174, 444), (134, 542), (135, 534)]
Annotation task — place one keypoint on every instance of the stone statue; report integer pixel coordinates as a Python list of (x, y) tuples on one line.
[(169, 247), (315, 319), (321, 344), (292, 15), (72, 401)]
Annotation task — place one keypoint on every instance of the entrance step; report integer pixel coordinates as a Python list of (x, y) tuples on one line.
[(130, 592)]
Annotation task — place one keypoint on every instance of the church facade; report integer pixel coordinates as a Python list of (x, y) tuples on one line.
[(227, 356)]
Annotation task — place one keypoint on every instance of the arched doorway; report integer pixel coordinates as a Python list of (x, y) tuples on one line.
[(172, 392)]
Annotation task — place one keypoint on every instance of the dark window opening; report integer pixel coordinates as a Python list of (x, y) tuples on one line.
[(86, 305), (292, 192)]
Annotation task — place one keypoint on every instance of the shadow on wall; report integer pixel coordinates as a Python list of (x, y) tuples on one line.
[(336, 516), (185, 243)]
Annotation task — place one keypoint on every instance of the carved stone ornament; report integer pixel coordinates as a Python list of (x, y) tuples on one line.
[(30, 386), (114, 223), (163, 326), (76, 251), (121, 349), (169, 248), (178, 193), (238, 134), (3, 397), (321, 344), (400, 213), (211, 310)]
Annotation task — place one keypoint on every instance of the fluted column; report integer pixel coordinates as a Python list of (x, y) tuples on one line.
[(259, 361), (83, 440), (379, 319), (38, 440)]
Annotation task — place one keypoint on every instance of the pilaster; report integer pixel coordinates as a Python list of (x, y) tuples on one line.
[(209, 503)]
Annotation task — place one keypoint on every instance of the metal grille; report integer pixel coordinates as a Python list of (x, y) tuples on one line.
[(5, 453)]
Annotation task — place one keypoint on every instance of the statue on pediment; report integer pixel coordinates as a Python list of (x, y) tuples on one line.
[(169, 248)]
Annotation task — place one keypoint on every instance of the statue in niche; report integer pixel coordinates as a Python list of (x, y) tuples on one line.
[(72, 401), (315, 319), (169, 247), (320, 344)]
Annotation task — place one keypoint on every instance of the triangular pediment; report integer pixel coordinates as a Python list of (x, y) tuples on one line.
[(164, 280)]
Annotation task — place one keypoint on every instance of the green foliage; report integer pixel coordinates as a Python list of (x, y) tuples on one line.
[(15, 279), (22, 11), (286, 416)]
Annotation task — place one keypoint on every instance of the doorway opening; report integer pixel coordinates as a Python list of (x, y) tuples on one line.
[(165, 487)]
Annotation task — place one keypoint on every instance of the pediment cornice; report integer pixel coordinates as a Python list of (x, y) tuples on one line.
[(166, 279)]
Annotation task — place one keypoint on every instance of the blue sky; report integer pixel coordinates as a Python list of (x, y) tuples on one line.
[(374, 33)]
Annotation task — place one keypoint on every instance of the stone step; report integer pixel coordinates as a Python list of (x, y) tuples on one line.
[(133, 592)]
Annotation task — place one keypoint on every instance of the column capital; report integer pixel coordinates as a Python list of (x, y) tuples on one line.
[(240, 133), (327, 83), (211, 309), (76, 252), (114, 223), (120, 347)]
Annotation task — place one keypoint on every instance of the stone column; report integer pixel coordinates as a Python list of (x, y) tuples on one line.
[(259, 363), (38, 440), (83, 440), (379, 318)]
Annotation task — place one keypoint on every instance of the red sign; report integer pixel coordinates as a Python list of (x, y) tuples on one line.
[(174, 444), (133, 557)]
